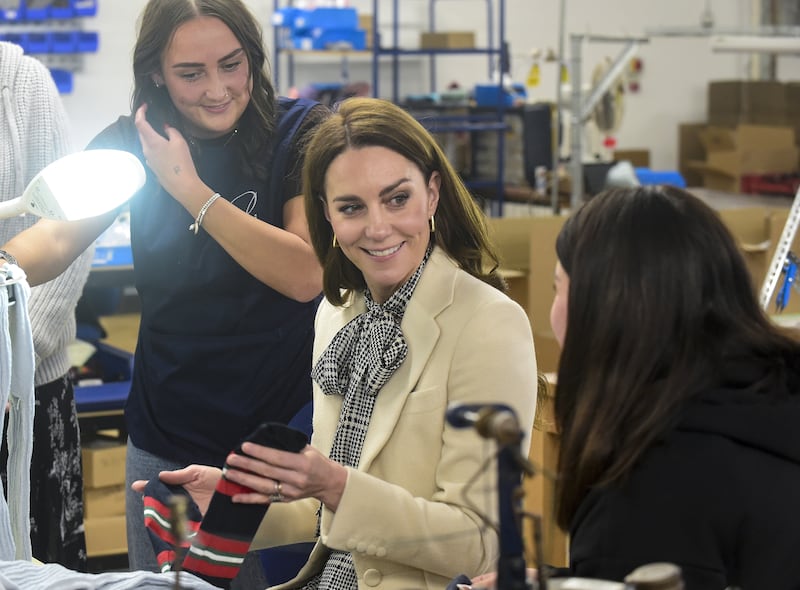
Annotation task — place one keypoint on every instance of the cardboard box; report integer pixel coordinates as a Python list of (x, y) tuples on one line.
[(735, 102), (540, 489), (793, 107), (103, 463), (447, 40), (690, 149), (527, 247), (105, 501), (746, 149), (637, 158), (750, 227), (365, 24), (105, 536)]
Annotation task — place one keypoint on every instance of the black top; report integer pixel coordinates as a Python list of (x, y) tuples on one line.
[(218, 351), (719, 495)]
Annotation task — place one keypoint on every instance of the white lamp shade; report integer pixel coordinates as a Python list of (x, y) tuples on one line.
[(80, 185)]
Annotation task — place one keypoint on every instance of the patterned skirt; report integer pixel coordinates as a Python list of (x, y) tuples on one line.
[(56, 478)]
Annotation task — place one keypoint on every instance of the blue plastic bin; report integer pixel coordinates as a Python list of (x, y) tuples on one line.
[(88, 41), (64, 42), (355, 39), (63, 80), (35, 14), (489, 95), (62, 10), (671, 177), (38, 43), (20, 39), (332, 18), (12, 14), (294, 19), (84, 7)]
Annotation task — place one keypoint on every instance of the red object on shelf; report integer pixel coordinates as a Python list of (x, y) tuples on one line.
[(770, 184)]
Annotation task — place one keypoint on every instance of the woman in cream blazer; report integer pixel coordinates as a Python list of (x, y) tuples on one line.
[(407, 513)]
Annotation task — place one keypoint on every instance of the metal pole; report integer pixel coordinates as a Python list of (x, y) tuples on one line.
[(576, 124), (556, 133), (511, 563), (608, 79)]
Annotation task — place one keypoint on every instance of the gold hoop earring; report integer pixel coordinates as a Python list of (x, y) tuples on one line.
[(432, 223), (335, 244)]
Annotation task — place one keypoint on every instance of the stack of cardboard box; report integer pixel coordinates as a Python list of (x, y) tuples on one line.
[(104, 496), (730, 154), (752, 129)]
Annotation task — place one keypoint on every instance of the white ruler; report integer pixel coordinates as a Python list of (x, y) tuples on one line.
[(781, 253)]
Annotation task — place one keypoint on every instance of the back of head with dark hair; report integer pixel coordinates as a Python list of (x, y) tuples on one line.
[(158, 23), (461, 228), (659, 298)]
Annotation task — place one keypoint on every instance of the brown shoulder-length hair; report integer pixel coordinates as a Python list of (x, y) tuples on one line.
[(158, 23), (461, 229), (660, 301)]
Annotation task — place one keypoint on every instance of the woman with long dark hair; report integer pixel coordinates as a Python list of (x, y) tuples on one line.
[(678, 399)]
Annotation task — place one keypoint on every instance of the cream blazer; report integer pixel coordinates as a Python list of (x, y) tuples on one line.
[(412, 512)]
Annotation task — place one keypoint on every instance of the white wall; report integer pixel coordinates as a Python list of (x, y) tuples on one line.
[(673, 82)]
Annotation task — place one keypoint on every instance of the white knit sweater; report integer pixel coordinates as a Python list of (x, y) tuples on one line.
[(33, 132)]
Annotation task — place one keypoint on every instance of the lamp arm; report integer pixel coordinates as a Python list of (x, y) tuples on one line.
[(12, 208)]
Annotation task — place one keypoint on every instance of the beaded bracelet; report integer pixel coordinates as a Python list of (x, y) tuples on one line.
[(195, 227)]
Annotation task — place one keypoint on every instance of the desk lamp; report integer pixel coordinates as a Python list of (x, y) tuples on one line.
[(80, 185)]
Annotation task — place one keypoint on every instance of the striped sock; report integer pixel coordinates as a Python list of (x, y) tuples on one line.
[(217, 545), (158, 524)]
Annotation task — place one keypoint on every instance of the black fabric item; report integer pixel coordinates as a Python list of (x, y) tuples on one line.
[(277, 436)]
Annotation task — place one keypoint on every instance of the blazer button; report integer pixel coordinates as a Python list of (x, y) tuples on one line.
[(361, 547), (381, 552), (351, 544), (372, 577)]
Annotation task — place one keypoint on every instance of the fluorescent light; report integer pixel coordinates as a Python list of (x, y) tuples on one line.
[(755, 44)]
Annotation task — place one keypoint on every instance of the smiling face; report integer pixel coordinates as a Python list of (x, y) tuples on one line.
[(207, 75), (558, 311), (379, 205)]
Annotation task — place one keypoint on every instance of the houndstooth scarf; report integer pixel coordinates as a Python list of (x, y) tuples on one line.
[(358, 362)]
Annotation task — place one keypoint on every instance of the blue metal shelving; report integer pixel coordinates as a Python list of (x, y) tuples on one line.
[(483, 120), (496, 51), (52, 33)]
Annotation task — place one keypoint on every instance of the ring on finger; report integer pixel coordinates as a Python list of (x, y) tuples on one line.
[(276, 495)]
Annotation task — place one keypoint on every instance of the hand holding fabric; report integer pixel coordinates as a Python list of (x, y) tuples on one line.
[(198, 480), (307, 474)]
